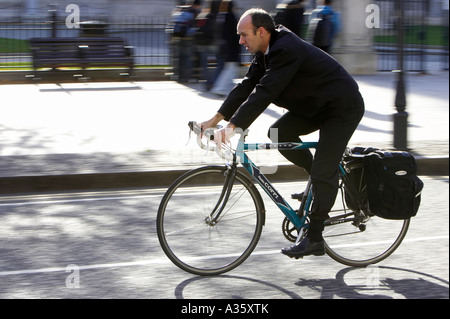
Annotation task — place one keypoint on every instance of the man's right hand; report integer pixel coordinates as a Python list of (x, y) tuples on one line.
[(212, 122)]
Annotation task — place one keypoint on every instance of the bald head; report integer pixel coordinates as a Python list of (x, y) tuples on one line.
[(254, 28)]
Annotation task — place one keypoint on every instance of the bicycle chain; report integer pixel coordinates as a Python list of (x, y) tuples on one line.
[(291, 233)]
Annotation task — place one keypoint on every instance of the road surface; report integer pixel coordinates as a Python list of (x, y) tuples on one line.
[(104, 245)]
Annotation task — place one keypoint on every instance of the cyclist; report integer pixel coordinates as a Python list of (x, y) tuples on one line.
[(318, 94)]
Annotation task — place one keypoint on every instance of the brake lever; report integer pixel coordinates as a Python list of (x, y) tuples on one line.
[(191, 127)]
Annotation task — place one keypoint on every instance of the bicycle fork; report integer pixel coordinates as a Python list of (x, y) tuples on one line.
[(214, 216)]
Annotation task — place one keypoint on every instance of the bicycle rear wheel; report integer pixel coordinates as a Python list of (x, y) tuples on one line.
[(189, 236), (356, 240)]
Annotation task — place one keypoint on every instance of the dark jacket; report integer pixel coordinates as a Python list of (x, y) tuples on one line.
[(294, 75)]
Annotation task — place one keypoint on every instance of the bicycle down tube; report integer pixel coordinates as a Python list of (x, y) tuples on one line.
[(255, 172)]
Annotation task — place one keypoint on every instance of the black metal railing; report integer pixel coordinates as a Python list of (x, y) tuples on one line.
[(425, 37), (148, 36)]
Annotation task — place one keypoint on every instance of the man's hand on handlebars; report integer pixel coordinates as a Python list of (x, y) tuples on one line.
[(222, 135), (212, 122)]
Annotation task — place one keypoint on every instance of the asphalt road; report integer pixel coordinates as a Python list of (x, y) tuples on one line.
[(104, 245)]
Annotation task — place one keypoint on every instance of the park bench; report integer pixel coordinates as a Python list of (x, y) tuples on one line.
[(81, 52)]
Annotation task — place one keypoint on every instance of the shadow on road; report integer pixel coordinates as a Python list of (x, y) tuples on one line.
[(374, 282)]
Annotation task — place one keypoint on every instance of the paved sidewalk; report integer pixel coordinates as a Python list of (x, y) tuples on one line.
[(131, 134)]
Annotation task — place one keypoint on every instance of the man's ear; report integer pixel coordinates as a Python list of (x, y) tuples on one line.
[(262, 31)]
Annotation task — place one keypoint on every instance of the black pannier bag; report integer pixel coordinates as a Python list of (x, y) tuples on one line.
[(393, 187), (385, 182), (354, 167)]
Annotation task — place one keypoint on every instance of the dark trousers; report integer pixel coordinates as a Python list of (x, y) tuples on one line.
[(336, 124)]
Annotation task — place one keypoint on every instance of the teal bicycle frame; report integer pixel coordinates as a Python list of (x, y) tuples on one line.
[(298, 220), (296, 217)]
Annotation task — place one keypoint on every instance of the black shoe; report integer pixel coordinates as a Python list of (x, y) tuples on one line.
[(305, 248), (298, 196)]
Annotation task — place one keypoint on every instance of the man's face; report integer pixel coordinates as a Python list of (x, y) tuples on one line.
[(248, 37)]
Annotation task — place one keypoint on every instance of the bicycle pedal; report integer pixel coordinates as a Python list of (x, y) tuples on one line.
[(297, 196), (295, 257)]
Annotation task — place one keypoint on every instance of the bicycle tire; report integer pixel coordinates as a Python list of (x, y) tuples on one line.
[(190, 240), (369, 261), (366, 241)]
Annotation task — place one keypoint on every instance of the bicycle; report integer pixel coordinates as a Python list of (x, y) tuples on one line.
[(211, 218)]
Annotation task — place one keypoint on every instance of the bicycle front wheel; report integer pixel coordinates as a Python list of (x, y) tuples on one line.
[(190, 237)]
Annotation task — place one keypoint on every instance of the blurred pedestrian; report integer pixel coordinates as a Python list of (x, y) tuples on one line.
[(229, 49), (290, 14), (183, 39), (324, 26), (206, 41)]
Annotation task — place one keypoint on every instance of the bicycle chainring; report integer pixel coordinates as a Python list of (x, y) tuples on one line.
[(289, 230)]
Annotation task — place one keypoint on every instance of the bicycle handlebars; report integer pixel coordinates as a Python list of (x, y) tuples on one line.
[(223, 150)]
